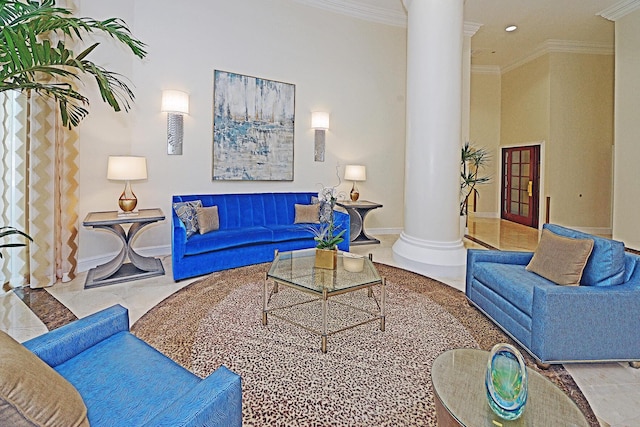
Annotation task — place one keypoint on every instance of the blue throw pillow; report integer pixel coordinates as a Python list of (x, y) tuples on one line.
[(605, 266), (186, 211)]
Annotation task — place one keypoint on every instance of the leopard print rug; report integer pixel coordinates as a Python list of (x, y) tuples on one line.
[(366, 378)]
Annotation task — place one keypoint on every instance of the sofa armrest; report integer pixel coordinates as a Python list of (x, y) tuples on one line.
[(499, 257), (179, 237), (343, 222), (215, 401), (62, 344), (586, 320)]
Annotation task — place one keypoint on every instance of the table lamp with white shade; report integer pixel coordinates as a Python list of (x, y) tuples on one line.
[(355, 173), (127, 168)]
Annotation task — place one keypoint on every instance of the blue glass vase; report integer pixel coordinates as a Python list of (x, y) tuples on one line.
[(506, 381)]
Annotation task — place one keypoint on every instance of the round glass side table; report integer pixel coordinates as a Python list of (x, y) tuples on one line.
[(461, 400)]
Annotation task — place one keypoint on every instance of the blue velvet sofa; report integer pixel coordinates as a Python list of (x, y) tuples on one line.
[(125, 382), (560, 324), (251, 227)]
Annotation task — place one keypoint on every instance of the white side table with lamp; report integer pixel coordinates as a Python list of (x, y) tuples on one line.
[(125, 168)]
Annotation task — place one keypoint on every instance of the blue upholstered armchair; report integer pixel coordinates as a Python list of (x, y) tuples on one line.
[(125, 382)]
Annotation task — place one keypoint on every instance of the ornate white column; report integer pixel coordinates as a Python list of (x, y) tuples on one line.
[(434, 124)]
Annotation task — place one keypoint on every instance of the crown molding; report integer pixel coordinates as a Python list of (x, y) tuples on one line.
[(361, 11), (471, 28), (485, 69), (563, 46), (619, 9)]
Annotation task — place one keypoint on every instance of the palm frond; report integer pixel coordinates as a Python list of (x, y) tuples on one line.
[(29, 61)]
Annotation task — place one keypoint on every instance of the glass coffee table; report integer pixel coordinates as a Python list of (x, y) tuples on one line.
[(296, 270), (461, 398)]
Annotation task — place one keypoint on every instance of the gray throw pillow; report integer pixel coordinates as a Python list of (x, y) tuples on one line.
[(186, 211)]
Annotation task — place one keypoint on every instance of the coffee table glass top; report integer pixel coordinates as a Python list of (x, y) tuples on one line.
[(297, 268), (458, 381)]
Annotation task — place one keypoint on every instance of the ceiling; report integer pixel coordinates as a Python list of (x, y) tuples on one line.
[(574, 23)]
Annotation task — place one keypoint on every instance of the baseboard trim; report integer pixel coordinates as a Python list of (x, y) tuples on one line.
[(384, 231)]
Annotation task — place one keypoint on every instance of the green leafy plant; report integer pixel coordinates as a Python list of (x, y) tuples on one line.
[(31, 62), (472, 162), (325, 234), (9, 231)]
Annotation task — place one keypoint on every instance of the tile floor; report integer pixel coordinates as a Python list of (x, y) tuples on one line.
[(612, 389)]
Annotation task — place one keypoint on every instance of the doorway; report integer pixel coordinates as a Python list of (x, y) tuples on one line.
[(520, 191)]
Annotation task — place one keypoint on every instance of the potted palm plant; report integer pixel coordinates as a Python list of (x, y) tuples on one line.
[(32, 63), (473, 160)]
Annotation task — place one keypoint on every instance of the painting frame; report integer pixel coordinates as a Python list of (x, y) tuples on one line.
[(253, 128)]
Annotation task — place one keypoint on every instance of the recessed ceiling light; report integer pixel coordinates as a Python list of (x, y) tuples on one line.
[(511, 28)]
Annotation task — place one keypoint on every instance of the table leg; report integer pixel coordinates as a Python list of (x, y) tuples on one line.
[(382, 303), (116, 270), (265, 297), (324, 320)]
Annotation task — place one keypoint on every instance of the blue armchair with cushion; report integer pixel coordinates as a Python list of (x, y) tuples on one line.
[(104, 376), (594, 320)]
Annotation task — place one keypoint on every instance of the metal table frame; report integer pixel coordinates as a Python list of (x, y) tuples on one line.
[(324, 296)]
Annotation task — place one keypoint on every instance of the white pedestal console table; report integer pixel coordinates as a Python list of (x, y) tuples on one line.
[(117, 270)]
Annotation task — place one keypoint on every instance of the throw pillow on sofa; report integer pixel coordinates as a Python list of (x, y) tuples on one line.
[(307, 214), (560, 259), (186, 211), (606, 265), (32, 393), (208, 219)]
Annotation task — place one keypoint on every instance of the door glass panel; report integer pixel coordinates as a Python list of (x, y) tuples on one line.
[(516, 157), (514, 195), (524, 182), (526, 156), (525, 210), (514, 208), (525, 170), (524, 196), (515, 170)]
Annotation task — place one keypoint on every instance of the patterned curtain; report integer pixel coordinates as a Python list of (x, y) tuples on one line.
[(39, 191)]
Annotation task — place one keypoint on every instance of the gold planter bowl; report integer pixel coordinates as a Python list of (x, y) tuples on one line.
[(326, 258)]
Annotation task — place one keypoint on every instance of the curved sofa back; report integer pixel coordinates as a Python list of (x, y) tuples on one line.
[(251, 209)]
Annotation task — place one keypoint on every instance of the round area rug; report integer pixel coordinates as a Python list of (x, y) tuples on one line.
[(366, 378)]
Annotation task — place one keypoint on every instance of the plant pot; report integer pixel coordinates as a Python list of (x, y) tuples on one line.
[(326, 258)]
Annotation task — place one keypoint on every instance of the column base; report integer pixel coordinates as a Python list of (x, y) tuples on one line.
[(414, 250)]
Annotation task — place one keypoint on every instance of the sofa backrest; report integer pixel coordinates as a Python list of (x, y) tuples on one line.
[(606, 264), (251, 209)]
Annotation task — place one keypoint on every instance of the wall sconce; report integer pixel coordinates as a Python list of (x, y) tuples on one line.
[(127, 168), (355, 173), (176, 104), (319, 122)]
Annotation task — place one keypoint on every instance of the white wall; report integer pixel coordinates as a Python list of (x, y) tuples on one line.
[(626, 197), (352, 68)]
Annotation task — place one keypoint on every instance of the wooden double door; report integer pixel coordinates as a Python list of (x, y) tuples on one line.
[(520, 194)]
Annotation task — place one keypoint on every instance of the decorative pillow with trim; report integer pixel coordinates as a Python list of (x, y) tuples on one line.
[(186, 211), (560, 259), (32, 393), (307, 214), (208, 219)]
